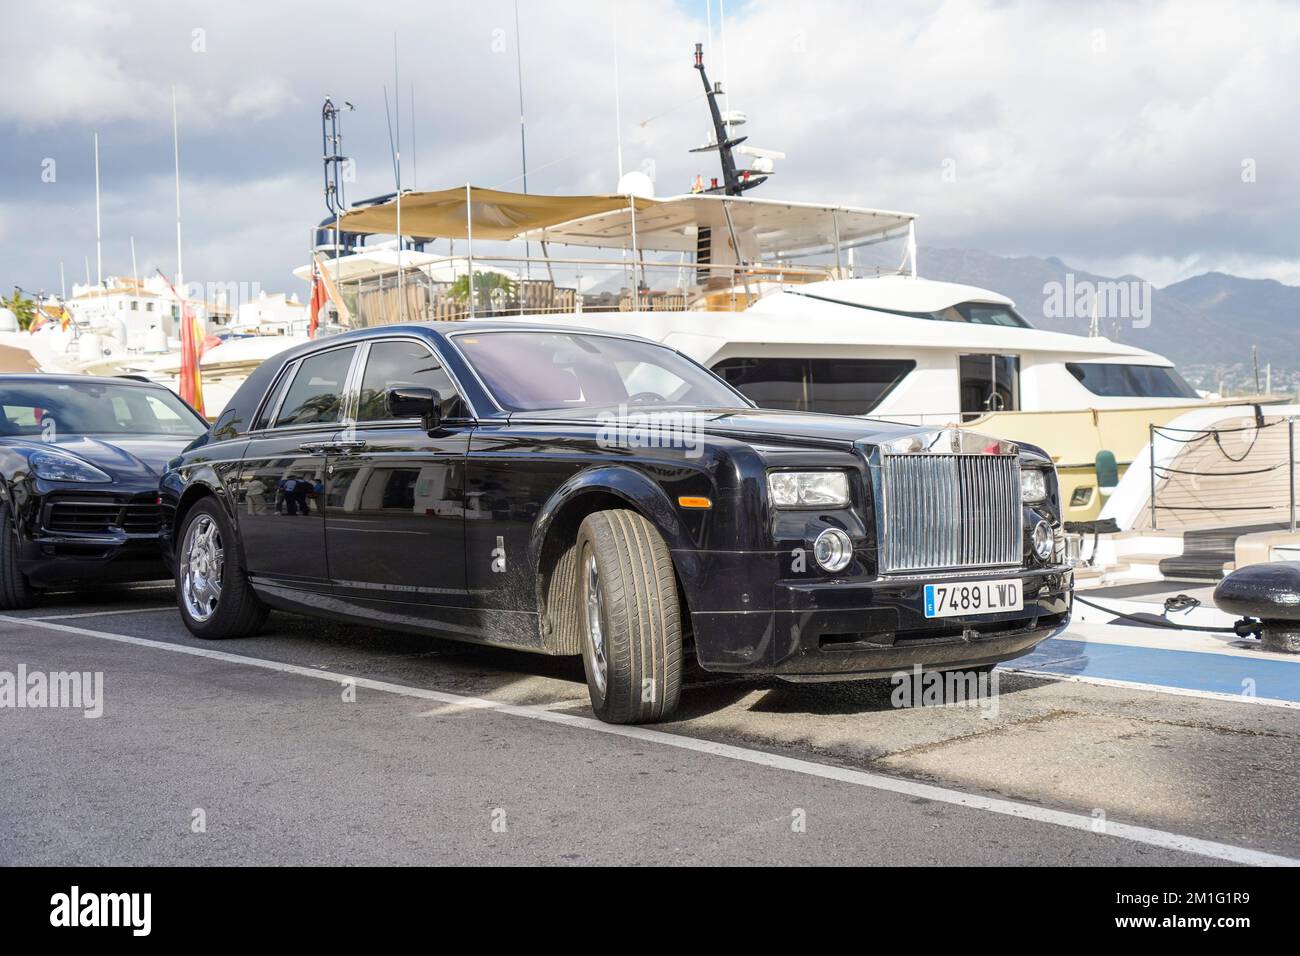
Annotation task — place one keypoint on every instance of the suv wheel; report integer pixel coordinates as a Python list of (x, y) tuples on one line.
[(16, 592)]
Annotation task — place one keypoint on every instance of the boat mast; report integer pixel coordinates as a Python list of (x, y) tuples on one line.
[(99, 245), (176, 153), (733, 182)]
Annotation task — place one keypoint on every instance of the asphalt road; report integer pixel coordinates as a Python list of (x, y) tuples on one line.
[(324, 743)]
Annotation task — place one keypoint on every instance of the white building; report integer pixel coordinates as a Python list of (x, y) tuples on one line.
[(274, 314)]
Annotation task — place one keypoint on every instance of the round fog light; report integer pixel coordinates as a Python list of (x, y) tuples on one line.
[(833, 549), (1044, 540)]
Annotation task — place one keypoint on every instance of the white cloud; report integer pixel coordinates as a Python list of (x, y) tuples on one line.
[(1102, 133)]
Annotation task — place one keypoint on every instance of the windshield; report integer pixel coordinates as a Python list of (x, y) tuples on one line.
[(48, 410), (532, 371)]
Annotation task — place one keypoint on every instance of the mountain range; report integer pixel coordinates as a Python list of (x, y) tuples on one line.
[(1209, 319)]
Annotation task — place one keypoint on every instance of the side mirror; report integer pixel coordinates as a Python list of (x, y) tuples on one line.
[(412, 401)]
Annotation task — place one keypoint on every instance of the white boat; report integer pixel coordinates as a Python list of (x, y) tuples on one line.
[(786, 319)]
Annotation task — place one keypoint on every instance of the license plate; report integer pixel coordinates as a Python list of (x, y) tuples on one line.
[(973, 597)]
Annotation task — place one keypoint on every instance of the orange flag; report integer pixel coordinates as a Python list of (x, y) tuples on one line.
[(318, 295), (191, 378)]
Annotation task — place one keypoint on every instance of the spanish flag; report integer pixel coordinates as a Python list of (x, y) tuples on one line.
[(191, 349), (191, 378)]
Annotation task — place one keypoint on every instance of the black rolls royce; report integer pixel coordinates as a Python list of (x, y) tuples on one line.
[(573, 492), (80, 460)]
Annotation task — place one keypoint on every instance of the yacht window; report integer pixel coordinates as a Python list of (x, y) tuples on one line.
[(982, 313), (973, 313), (1131, 381), (837, 386), (989, 383)]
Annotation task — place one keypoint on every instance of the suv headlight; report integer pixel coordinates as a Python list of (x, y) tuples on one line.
[(808, 489), (1033, 485), (53, 467)]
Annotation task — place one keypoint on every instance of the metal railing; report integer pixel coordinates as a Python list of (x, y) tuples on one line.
[(518, 285), (1161, 476)]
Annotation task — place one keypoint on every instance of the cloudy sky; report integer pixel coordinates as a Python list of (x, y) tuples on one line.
[(1155, 138)]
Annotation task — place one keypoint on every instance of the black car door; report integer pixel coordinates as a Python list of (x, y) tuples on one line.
[(281, 479), (394, 498)]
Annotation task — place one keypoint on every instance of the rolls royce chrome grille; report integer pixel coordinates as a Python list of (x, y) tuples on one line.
[(954, 511)]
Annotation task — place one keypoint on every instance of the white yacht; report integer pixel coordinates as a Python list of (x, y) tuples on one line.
[(762, 292)]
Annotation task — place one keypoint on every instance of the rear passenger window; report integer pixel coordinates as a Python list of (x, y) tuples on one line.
[(273, 399), (316, 395), (404, 363)]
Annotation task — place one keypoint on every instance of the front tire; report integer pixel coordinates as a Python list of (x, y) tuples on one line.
[(631, 623), (16, 592), (212, 588)]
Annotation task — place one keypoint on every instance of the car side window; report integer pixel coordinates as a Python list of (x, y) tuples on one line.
[(316, 395), (404, 362), (273, 397)]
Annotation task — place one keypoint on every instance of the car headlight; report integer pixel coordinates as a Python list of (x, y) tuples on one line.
[(1033, 485), (54, 467), (808, 489)]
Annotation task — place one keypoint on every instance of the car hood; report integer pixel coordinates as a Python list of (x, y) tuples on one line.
[(767, 426), (770, 427), (777, 427), (124, 457)]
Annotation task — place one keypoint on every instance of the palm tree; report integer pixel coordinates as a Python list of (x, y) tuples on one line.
[(23, 309), (488, 286)]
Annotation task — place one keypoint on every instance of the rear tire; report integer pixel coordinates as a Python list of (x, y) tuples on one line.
[(631, 622), (16, 592), (212, 588)]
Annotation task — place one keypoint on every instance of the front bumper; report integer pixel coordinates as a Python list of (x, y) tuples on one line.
[(49, 560), (837, 630), (120, 542)]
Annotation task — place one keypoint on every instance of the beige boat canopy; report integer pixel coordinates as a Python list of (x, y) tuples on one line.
[(467, 211), (764, 228)]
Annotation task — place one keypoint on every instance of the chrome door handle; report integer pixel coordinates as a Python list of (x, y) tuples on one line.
[(347, 445), (313, 446)]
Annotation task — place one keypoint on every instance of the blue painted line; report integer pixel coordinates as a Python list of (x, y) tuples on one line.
[(1188, 670)]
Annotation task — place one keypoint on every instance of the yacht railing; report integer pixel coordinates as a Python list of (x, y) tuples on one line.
[(1239, 473), (518, 285)]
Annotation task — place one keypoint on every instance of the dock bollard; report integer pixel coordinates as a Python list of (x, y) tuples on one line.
[(1271, 593)]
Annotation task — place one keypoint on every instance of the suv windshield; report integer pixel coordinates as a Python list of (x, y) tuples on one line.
[(93, 408), (532, 371)]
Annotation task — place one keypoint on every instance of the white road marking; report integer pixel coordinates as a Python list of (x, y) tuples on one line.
[(1156, 688), (1072, 821), (129, 610)]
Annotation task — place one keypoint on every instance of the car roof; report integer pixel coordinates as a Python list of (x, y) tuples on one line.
[(44, 378), (445, 329)]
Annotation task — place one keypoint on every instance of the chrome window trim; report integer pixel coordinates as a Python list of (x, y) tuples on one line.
[(298, 363)]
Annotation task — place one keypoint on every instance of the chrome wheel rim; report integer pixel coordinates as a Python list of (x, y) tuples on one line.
[(595, 631), (202, 564)]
